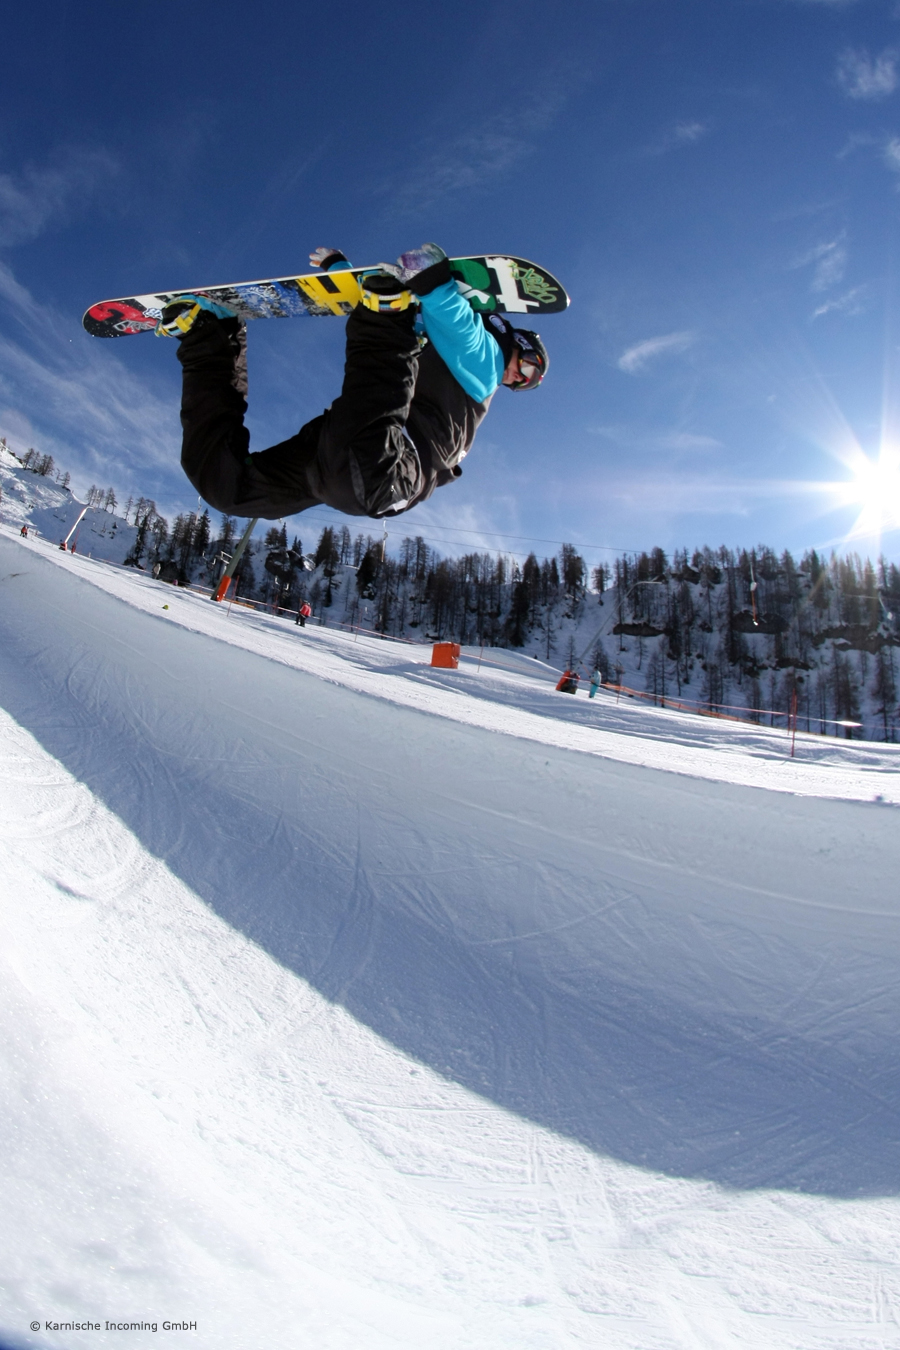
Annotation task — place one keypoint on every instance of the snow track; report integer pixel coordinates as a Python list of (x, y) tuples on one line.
[(354, 1004)]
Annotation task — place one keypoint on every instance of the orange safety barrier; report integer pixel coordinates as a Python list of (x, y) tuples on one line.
[(445, 654)]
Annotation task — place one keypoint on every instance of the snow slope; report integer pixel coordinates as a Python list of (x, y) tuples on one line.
[(51, 512), (351, 1003)]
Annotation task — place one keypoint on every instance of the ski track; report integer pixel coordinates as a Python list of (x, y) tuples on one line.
[(349, 1003)]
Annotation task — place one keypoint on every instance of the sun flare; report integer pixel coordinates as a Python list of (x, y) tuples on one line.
[(875, 489)]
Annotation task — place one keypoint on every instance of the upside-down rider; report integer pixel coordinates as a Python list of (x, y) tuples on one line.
[(421, 369)]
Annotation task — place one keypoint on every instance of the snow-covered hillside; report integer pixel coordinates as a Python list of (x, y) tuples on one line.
[(51, 511), (352, 1003), (769, 639)]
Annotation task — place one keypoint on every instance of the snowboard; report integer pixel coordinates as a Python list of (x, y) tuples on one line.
[(495, 282)]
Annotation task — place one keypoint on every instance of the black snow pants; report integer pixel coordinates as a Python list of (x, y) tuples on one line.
[(355, 457)]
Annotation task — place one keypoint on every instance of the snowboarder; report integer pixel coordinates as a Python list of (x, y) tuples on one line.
[(24, 532), (596, 677), (406, 416), (303, 613)]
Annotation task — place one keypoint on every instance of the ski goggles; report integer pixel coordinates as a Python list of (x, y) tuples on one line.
[(531, 368), (529, 374)]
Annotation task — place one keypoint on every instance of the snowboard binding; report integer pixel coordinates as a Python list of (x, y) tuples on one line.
[(383, 293), (182, 315)]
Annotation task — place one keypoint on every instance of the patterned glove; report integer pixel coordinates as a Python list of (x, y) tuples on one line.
[(419, 260), (326, 258)]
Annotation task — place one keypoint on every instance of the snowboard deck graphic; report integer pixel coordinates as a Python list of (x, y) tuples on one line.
[(494, 282)]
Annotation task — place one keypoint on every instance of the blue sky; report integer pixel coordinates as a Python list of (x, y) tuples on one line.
[(716, 182)]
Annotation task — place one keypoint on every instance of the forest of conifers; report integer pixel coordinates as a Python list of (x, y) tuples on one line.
[(720, 628)]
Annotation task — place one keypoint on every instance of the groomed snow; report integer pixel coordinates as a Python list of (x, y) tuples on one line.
[(351, 1003)]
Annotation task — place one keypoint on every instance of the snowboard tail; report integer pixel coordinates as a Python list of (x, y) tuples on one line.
[(495, 282)]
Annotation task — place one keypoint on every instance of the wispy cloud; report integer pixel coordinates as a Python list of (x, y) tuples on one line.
[(13, 292), (688, 441), (79, 401), (851, 302), (863, 76), (641, 498), (669, 440), (475, 158), (828, 261), (636, 358), (857, 140), (678, 136), (33, 200)]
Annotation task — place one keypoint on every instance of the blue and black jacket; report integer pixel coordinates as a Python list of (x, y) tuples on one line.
[(459, 370), (404, 421)]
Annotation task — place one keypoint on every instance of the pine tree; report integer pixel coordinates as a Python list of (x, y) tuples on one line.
[(573, 571), (599, 578), (326, 552), (159, 532), (186, 544), (201, 535), (136, 552), (366, 574), (885, 690), (227, 531), (519, 613), (845, 690)]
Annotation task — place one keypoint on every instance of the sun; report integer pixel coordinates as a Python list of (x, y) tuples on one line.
[(875, 488)]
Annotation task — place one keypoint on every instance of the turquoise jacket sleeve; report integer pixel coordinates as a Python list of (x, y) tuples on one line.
[(461, 340)]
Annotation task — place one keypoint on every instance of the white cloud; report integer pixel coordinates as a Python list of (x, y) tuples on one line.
[(830, 267), (477, 156), (851, 302), (31, 201), (681, 134), (862, 76), (829, 262), (856, 141), (685, 133), (688, 440), (13, 291), (83, 404), (670, 344), (649, 490)]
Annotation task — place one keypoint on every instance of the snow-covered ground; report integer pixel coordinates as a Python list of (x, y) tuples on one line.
[(51, 513), (352, 1003)]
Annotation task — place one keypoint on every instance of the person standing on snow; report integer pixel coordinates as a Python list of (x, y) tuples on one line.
[(303, 613), (596, 677), (406, 416)]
